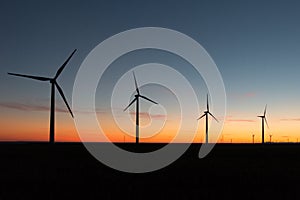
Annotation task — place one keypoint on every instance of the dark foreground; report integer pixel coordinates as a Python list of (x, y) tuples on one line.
[(67, 171)]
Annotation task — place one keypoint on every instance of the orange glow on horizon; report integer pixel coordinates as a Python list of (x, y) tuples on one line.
[(36, 128)]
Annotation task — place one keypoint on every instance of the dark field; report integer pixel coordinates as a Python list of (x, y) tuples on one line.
[(67, 171)]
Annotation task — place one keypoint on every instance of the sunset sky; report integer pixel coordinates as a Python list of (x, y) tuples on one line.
[(255, 45)]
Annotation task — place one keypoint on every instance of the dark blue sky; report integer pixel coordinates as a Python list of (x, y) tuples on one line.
[(255, 44)]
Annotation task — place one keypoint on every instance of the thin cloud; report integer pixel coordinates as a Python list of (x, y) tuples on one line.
[(240, 120), (231, 119), (246, 95), (249, 94), (290, 119), (35, 107), (147, 115), (29, 107)]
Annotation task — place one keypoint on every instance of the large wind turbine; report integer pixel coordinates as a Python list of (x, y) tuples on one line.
[(54, 84), (136, 99), (206, 113), (263, 120)]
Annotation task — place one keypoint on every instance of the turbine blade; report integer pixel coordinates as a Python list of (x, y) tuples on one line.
[(201, 116), (135, 82), (64, 65), (148, 99), (40, 78), (64, 98), (266, 122), (213, 116), (207, 106), (130, 104), (265, 110)]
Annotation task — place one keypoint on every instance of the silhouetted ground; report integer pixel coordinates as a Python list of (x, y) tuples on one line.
[(67, 171)]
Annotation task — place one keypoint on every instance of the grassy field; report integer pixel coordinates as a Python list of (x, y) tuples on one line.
[(67, 170)]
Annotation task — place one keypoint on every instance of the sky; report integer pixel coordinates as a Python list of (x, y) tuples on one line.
[(255, 45)]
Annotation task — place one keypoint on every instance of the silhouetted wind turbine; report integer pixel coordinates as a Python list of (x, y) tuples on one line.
[(53, 85), (206, 113), (263, 120), (253, 138), (136, 99)]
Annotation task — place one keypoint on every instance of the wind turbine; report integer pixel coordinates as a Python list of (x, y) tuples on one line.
[(206, 113), (54, 84), (253, 135), (136, 99), (263, 120)]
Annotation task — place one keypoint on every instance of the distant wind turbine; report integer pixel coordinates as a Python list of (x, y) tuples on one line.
[(54, 84), (136, 99), (253, 138), (263, 120), (206, 113)]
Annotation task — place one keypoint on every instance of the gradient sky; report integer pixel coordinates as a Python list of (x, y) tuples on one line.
[(255, 45)]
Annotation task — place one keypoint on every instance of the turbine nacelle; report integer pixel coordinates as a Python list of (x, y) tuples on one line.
[(52, 80), (263, 121), (207, 111), (263, 117), (138, 95)]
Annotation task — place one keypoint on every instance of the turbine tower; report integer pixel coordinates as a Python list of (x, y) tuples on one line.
[(253, 138), (54, 84), (136, 99), (206, 113), (263, 120)]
